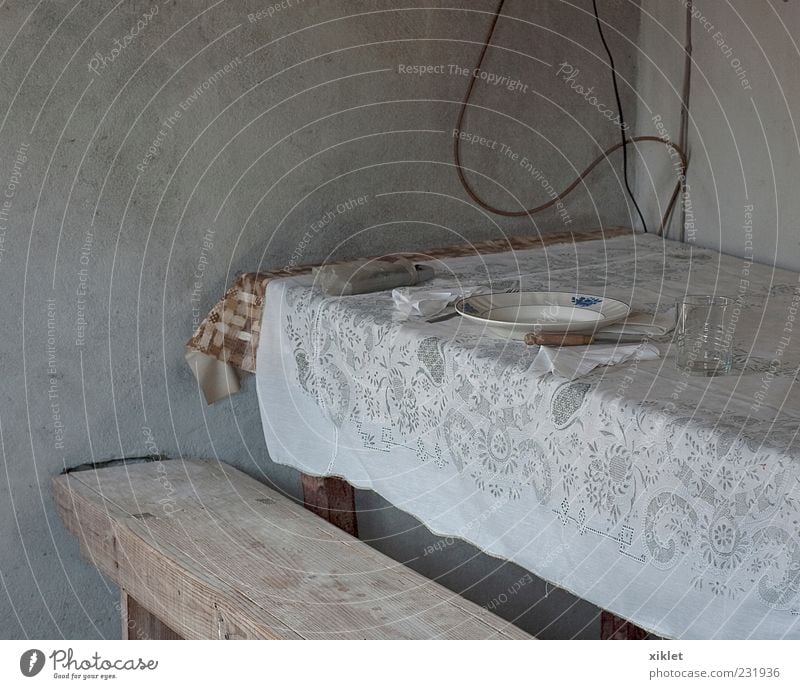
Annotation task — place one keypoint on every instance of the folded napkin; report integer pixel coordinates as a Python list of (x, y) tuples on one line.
[(428, 302), (638, 326), (369, 275), (573, 362)]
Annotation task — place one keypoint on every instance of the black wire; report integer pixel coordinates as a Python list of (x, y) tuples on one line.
[(621, 116)]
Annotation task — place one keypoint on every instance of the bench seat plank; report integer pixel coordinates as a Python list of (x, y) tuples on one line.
[(214, 553)]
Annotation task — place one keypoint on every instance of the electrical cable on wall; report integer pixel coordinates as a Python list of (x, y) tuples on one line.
[(623, 144), (683, 135), (621, 114)]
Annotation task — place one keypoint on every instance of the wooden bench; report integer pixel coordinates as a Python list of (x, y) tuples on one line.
[(202, 551)]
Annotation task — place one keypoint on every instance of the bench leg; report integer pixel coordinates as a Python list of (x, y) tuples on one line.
[(139, 624), (333, 499), (613, 628)]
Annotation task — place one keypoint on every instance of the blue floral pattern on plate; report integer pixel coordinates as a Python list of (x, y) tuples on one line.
[(584, 302)]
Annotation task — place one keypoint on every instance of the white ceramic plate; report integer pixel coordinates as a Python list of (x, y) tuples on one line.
[(516, 314)]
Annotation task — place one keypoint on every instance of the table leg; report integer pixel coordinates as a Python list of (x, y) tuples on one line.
[(333, 499), (139, 624), (613, 628)]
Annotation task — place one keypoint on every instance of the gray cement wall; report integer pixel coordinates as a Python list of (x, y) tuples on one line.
[(151, 150), (744, 140)]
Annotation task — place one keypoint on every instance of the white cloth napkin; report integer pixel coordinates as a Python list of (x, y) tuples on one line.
[(428, 302), (638, 326), (574, 362)]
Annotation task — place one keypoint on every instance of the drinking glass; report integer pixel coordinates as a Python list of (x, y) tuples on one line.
[(704, 335)]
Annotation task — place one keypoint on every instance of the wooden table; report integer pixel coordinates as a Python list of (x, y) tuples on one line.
[(334, 499), (228, 338)]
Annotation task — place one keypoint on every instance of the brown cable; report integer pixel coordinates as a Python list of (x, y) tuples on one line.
[(603, 156), (683, 135)]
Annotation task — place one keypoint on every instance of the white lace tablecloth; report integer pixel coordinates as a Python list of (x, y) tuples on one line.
[(668, 499)]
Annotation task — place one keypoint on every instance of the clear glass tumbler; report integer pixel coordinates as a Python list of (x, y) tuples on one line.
[(704, 335)]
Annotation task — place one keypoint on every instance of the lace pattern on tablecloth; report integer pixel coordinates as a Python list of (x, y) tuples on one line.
[(671, 481)]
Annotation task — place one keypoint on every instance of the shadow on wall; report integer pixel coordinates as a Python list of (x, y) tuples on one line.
[(151, 151)]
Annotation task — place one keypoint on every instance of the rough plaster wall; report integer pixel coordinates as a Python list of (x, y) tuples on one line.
[(744, 142), (319, 114)]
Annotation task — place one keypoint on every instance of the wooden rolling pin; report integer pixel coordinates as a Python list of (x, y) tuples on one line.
[(557, 339)]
